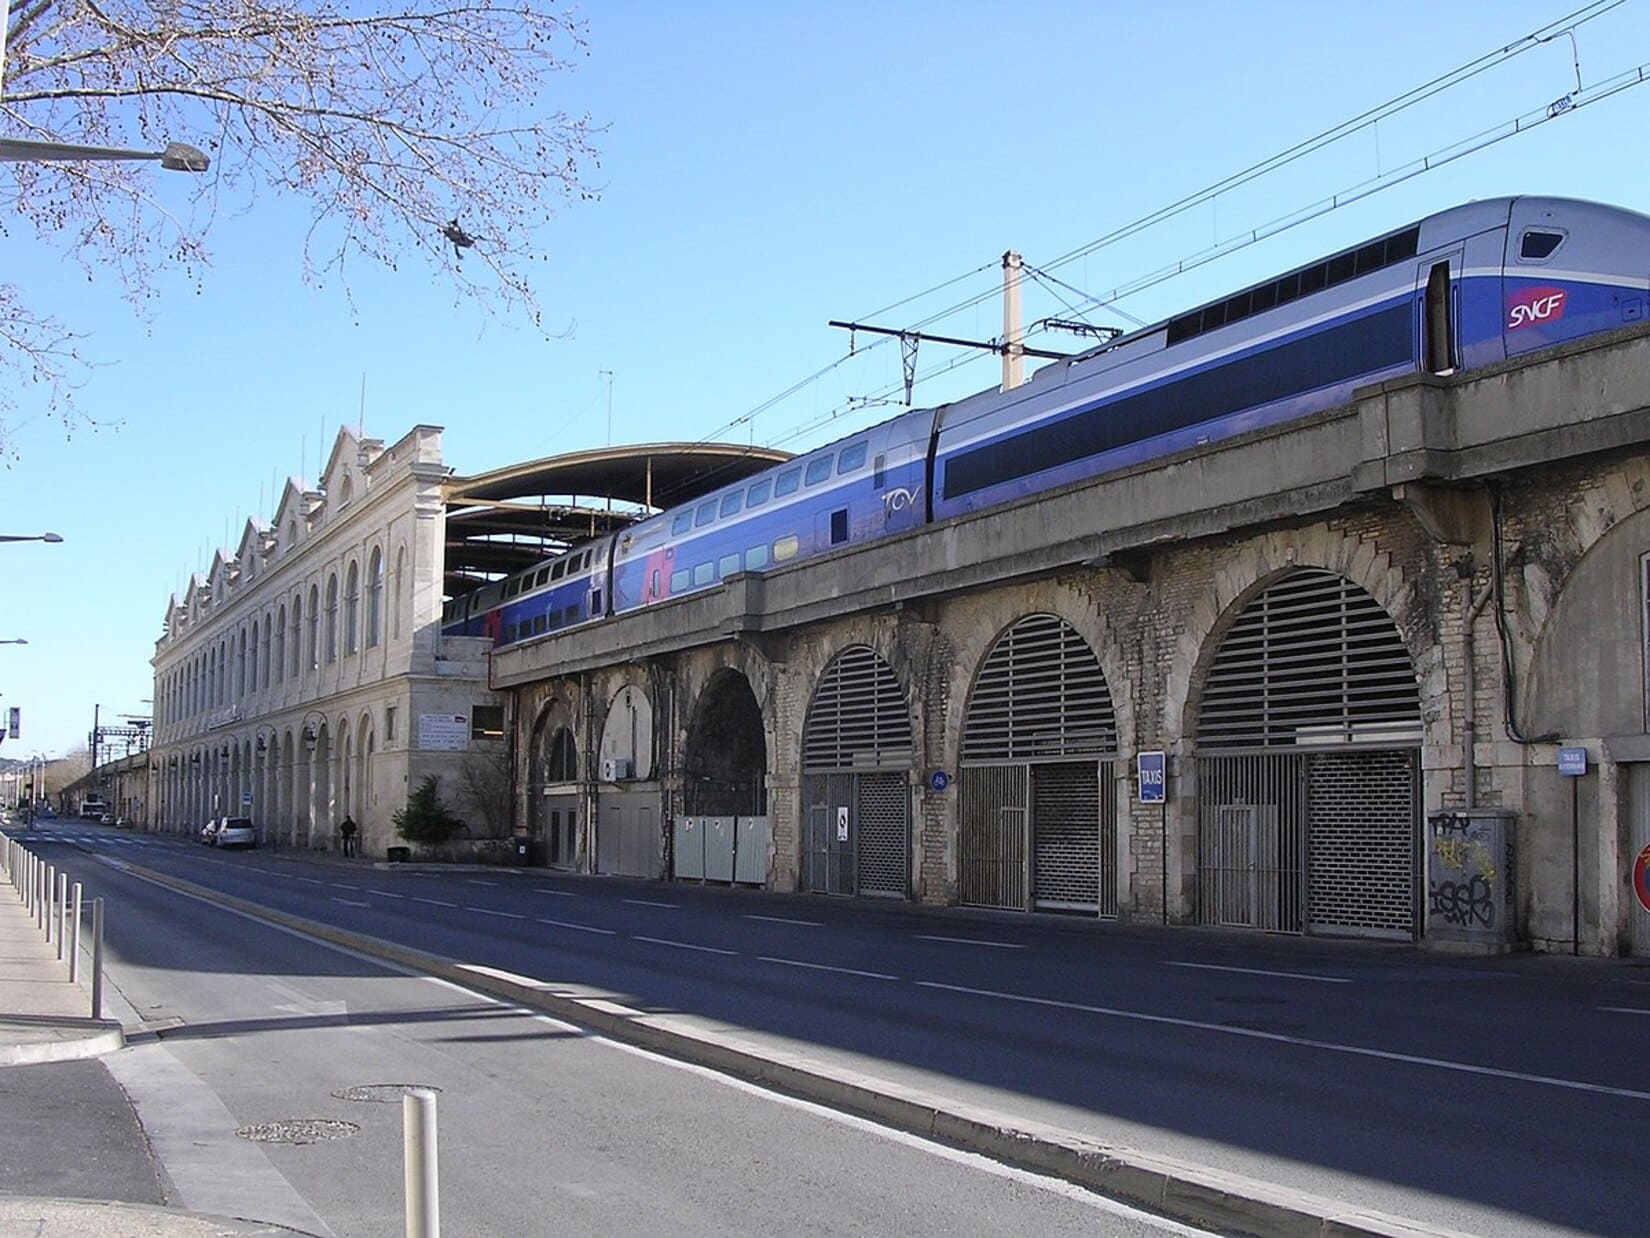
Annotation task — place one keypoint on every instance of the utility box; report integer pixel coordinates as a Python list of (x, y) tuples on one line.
[(1471, 879)]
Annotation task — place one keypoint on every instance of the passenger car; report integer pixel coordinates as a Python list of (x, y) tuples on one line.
[(235, 832)]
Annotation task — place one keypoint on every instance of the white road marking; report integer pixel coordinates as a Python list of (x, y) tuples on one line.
[(386, 894), (349, 902), (972, 941), (846, 971), (1624, 1010), (488, 911), (552, 893), (314, 881), (642, 902), (1328, 1046), (477, 881), (787, 920), (682, 945), (578, 928), (344, 885), (433, 902), (1257, 971)]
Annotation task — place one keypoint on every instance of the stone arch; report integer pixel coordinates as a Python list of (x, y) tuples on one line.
[(554, 794), (725, 762)]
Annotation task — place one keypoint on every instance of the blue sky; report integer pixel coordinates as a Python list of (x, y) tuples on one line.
[(767, 166)]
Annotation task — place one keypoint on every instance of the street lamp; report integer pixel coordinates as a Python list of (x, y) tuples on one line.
[(30, 537), (177, 157), (19, 640)]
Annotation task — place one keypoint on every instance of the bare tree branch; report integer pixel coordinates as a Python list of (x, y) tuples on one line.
[(388, 125)]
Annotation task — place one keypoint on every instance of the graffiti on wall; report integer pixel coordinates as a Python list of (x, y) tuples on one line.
[(1468, 883)]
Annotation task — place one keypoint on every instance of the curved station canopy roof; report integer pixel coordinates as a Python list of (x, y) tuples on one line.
[(513, 517)]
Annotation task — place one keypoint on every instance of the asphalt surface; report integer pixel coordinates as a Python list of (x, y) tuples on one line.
[(59, 1111)]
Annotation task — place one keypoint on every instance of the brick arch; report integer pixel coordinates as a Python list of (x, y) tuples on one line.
[(1259, 563), (1081, 611)]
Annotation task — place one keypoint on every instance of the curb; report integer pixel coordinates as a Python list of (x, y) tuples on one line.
[(1181, 1191), (58, 1041)]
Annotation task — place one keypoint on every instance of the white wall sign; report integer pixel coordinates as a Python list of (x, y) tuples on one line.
[(444, 732)]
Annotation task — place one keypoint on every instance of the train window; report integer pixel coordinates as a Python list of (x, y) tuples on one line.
[(1371, 257), (839, 526), (705, 514), (680, 580), (1314, 279), (704, 573), (682, 523), (758, 493), (819, 468), (1537, 245), (1214, 316), (730, 503), (788, 481), (756, 558), (595, 601), (558, 569), (544, 575), (539, 622), (1341, 268), (728, 565), (851, 458), (1264, 298)]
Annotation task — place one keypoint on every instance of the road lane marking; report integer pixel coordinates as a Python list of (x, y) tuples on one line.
[(579, 928), (846, 971), (488, 911), (314, 881), (1259, 971), (477, 881), (972, 941), (344, 885), (1385, 1055), (349, 902), (682, 945), (786, 920), (1624, 1010), (642, 902), (387, 894), (552, 893), (433, 902)]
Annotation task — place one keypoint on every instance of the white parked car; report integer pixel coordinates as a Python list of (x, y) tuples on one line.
[(235, 832)]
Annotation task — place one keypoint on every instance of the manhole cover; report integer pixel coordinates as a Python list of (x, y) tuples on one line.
[(386, 1093), (298, 1130)]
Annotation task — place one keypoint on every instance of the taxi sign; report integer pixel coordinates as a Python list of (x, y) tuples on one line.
[(1572, 762), (1152, 768)]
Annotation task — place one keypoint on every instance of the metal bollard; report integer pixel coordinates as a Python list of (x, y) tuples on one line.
[(97, 958), (62, 913), (423, 1179), (74, 940), (51, 901)]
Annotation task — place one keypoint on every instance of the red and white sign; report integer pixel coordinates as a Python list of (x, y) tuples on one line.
[(1641, 878), (1534, 306)]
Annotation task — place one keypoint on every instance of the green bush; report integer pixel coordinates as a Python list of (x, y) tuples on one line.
[(426, 819)]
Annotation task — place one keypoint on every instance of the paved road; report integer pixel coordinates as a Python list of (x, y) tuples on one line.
[(543, 1128), (1492, 1096)]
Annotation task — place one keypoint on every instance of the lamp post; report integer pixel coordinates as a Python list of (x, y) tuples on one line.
[(16, 640), (30, 537), (177, 157)]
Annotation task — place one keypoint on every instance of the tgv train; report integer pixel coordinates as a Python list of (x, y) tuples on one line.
[(1459, 290)]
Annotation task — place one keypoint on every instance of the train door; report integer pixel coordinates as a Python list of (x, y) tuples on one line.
[(1438, 311)]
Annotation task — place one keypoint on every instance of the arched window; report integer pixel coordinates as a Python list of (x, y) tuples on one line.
[(352, 608), (400, 587), (297, 634), (332, 618), (375, 597), (280, 644), (240, 665), (314, 627)]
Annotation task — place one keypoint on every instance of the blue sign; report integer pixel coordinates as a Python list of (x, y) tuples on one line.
[(938, 781), (1153, 770), (1572, 762)]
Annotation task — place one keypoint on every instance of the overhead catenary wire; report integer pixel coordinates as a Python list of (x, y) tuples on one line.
[(1560, 27)]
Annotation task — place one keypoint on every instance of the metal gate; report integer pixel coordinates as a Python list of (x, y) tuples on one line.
[(1363, 873), (856, 762), (1037, 807), (1638, 833), (1308, 767)]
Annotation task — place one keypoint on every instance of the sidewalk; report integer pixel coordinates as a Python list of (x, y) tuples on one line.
[(44, 1018)]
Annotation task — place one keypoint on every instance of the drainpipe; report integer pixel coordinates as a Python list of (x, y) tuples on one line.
[(1474, 609)]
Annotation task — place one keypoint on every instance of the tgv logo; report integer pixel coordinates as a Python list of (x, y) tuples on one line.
[(1535, 305)]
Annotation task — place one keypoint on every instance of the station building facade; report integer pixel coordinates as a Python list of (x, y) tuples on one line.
[(304, 677)]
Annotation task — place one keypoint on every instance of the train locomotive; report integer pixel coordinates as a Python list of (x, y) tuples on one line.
[(1461, 289)]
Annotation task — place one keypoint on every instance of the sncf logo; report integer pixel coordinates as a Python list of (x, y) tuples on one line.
[(1535, 305)]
